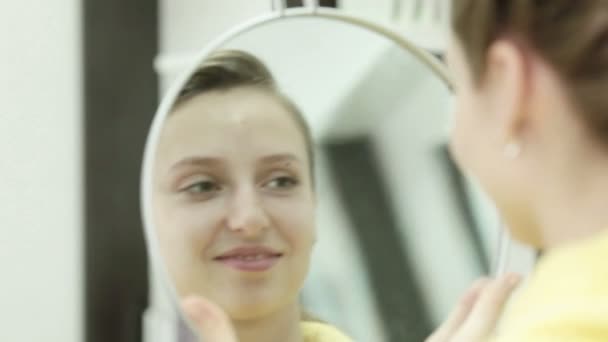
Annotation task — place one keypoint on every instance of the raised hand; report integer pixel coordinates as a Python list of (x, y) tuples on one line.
[(476, 315), (209, 321)]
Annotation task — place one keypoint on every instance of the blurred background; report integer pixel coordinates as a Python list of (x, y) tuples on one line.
[(80, 84)]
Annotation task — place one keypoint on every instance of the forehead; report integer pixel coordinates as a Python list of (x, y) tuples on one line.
[(242, 120)]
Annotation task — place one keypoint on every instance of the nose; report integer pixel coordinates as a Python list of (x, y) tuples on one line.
[(246, 214)]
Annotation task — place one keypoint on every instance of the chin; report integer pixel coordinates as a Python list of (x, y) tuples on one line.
[(249, 306)]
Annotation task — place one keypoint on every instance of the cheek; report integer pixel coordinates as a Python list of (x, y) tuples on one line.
[(464, 137), (458, 134), (198, 224), (295, 220), (185, 229)]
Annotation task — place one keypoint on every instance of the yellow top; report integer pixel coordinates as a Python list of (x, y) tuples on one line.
[(566, 298), (321, 332)]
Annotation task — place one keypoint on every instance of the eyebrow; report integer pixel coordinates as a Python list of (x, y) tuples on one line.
[(283, 157), (197, 161), (216, 161)]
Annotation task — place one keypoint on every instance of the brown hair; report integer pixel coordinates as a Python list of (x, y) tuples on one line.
[(227, 69), (571, 35)]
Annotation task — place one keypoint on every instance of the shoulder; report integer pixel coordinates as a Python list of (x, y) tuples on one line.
[(322, 332), (566, 299)]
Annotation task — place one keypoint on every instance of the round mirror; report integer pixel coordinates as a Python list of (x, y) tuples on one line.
[(300, 173)]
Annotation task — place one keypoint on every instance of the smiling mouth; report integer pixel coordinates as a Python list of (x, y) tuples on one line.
[(249, 259)]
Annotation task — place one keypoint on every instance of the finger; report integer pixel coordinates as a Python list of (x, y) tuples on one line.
[(208, 320), (460, 313), (482, 321)]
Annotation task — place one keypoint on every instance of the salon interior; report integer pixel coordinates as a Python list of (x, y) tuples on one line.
[(400, 232)]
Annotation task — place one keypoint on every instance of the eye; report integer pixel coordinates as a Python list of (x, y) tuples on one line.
[(282, 182), (202, 187)]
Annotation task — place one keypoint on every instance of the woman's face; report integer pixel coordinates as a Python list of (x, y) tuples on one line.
[(234, 205)]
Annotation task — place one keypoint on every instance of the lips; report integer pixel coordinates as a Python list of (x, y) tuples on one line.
[(250, 259)]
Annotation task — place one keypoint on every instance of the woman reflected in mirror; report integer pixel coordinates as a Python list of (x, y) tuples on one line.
[(234, 204)]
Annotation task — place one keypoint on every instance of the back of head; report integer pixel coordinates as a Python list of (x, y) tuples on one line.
[(572, 36)]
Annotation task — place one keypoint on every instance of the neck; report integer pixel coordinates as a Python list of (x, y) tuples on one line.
[(279, 326), (576, 203)]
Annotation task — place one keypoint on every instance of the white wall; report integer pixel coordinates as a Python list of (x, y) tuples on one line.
[(40, 171), (424, 22), (186, 26)]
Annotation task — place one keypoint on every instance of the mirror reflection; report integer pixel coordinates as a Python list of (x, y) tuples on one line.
[(302, 181)]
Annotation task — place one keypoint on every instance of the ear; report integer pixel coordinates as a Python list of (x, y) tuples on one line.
[(505, 86)]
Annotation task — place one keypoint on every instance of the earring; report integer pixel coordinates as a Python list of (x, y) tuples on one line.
[(512, 150)]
